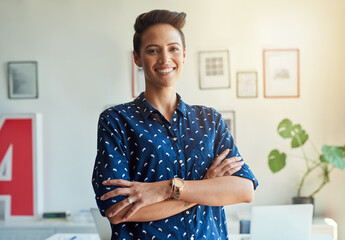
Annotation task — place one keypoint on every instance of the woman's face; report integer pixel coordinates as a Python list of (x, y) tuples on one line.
[(161, 56)]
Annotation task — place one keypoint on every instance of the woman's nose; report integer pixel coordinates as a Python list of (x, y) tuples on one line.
[(165, 57)]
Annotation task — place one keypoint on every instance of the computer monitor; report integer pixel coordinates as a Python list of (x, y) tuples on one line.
[(283, 222), (102, 224)]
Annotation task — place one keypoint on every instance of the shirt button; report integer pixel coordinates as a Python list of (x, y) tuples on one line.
[(175, 139), (187, 212), (181, 161), (191, 238)]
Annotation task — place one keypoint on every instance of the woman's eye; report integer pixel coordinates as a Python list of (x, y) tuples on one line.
[(174, 49), (152, 51)]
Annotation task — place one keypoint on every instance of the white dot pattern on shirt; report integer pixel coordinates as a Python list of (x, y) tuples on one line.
[(137, 143)]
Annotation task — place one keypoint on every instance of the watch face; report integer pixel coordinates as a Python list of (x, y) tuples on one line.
[(179, 182)]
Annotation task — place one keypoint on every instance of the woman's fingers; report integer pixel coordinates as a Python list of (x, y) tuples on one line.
[(116, 192), (232, 171), (118, 207), (122, 191), (117, 182), (224, 167), (213, 170), (230, 161), (132, 210), (220, 158), (231, 168), (138, 195), (231, 165)]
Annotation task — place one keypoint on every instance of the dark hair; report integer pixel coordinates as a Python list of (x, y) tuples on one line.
[(145, 20)]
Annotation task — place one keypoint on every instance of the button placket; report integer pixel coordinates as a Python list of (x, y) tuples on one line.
[(176, 119)]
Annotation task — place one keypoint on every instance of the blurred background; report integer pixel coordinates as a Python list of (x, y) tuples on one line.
[(83, 49)]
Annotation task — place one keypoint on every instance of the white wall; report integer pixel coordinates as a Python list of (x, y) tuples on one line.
[(83, 51)]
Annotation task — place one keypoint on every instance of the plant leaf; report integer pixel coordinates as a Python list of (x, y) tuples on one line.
[(276, 160), (285, 128), (299, 136), (334, 155)]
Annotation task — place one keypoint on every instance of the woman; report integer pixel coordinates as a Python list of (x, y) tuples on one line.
[(165, 169)]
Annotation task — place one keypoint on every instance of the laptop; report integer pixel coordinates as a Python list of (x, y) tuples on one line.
[(281, 222), (102, 224)]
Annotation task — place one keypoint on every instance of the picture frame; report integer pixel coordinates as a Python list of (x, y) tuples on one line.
[(247, 84), (138, 80), (214, 70), (22, 79), (229, 119), (281, 73)]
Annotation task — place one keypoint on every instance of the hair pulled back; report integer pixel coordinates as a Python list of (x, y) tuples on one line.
[(145, 20)]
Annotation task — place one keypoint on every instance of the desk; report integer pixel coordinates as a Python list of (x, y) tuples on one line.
[(320, 226), (41, 230), (74, 236)]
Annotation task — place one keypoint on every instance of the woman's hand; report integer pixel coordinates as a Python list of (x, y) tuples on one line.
[(224, 167), (139, 195)]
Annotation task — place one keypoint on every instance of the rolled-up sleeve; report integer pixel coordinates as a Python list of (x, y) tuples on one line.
[(224, 140), (111, 161)]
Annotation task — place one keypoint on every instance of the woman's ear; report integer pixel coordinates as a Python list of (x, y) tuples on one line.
[(136, 59)]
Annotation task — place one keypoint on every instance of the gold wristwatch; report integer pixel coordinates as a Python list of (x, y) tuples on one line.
[(178, 188)]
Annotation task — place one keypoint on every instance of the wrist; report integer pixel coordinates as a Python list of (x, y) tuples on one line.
[(167, 190), (177, 185)]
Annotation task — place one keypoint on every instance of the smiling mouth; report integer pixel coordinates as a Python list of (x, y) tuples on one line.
[(165, 70)]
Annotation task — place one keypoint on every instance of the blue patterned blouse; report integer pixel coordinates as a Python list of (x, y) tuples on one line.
[(136, 143)]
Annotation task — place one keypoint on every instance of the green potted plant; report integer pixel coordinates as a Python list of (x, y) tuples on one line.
[(329, 158)]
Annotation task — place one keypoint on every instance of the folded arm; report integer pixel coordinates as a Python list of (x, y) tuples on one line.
[(220, 191), (218, 188)]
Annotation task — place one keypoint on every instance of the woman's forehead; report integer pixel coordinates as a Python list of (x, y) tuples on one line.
[(161, 34)]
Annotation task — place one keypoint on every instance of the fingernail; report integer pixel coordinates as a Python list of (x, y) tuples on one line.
[(110, 214)]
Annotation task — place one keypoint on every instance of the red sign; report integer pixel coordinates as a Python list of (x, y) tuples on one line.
[(17, 180)]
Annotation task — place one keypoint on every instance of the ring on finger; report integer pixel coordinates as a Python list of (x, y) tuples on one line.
[(130, 201)]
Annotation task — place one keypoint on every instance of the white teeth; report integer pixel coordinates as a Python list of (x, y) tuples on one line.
[(167, 70)]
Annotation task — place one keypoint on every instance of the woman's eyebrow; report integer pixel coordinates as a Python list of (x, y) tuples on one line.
[(151, 45), (156, 45), (174, 43)]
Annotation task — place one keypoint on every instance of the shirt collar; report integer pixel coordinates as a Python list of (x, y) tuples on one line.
[(181, 106), (145, 108)]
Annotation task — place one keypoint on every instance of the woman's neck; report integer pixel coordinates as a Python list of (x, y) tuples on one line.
[(164, 100)]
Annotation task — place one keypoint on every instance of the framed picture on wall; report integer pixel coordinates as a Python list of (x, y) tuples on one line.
[(229, 119), (281, 73), (214, 69), (247, 85), (138, 79), (22, 79)]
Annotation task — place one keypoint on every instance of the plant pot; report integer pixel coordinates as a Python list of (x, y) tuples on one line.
[(303, 200)]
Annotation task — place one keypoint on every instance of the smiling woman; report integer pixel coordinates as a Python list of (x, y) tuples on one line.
[(161, 56), (165, 169)]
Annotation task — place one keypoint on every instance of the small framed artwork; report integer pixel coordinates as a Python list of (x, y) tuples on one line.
[(281, 73), (22, 79), (138, 80), (247, 85), (214, 69), (229, 119)]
